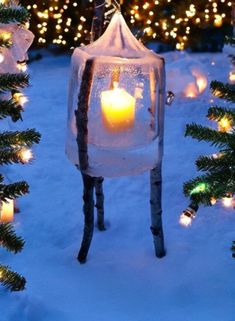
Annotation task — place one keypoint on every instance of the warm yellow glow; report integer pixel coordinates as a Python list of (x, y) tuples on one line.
[(213, 201), (118, 110), (185, 220), (22, 66), (6, 36), (191, 91), (26, 155), (218, 22), (232, 76), (7, 211), (224, 125), (20, 98)]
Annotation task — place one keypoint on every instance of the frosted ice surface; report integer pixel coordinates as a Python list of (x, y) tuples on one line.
[(137, 150)]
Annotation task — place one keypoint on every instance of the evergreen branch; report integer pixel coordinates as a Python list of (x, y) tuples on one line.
[(13, 15), (24, 138), (11, 280), (12, 191), (9, 239), (217, 113), (11, 155), (10, 108), (218, 185), (229, 40), (209, 163), (13, 81), (224, 91), (216, 138)]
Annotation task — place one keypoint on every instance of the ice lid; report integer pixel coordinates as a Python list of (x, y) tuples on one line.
[(118, 41)]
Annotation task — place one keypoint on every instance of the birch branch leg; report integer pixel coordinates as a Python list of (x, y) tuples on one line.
[(100, 203), (88, 210), (156, 211)]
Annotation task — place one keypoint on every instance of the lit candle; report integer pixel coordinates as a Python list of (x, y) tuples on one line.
[(7, 211), (118, 110)]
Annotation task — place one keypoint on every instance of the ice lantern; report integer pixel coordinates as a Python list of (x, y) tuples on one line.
[(116, 105)]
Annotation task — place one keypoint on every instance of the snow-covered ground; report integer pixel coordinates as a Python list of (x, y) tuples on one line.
[(122, 280)]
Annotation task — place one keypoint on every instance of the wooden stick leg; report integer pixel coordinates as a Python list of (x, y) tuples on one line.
[(100, 203), (88, 210), (156, 211)]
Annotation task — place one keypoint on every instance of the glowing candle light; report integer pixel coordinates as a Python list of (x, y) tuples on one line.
[(118, 110), (7, 211), (191, 91)]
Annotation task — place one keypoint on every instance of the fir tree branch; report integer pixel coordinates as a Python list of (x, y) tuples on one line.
[(11, 155), (229, 40), (217, 113), (10, 108), (224, 91), (218, 185), (9, 239), (24, 138), (216, 138), (11, 280), (13, 15), (13, 81), (12, 191), (223, 162)]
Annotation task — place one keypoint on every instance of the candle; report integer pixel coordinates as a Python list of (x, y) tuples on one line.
[(118, 110), (7, 211)]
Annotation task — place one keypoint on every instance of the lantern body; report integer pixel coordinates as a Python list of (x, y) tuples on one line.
[(126, 104)]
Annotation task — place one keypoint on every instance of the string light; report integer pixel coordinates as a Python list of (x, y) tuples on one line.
[(224, 125), (187, 217), (22, 66), (26, 155), (174, 28), (232, 76), (20, 98), (228, 201)]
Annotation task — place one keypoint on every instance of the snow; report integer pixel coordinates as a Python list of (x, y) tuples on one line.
[(122, 279)]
